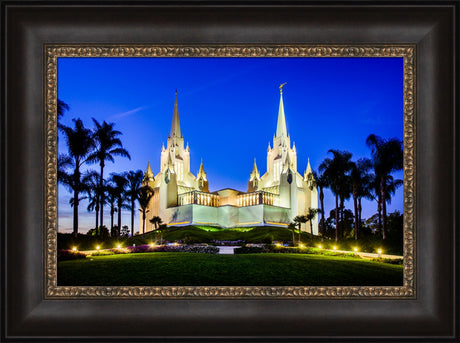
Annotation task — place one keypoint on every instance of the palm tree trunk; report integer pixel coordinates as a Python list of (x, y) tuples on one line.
[(111, 220), (119, 217), (293, 236), (97, 215), (336, 217), (101, 189), (355, 203), (341, 217), (359, 213), (143, 221), (321, 199), (379, 209), (75, 212), (299, 232), (132, 218), (384, 206), (311, 230)]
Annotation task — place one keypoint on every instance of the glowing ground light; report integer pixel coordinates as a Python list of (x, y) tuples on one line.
[(355, 249), (319, 246), (278, 245), (74, 249), (335, 248), (379, 251), (98, 247), (301, 245), (152, 244), (118, 246)]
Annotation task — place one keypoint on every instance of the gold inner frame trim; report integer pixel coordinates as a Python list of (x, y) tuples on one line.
[(53, 52)]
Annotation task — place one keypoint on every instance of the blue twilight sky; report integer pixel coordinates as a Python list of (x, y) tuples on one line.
[(228, 110)]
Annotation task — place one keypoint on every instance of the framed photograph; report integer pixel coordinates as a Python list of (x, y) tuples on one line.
[(121, 237)]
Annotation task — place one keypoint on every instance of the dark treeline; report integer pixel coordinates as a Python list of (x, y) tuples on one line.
[(96, 146), (368, 178)]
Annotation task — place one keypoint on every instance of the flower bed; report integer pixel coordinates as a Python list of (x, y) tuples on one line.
[(174, 248), (65, 255)]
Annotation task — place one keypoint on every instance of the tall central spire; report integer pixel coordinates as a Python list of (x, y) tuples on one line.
[(281, 126), (175, 126)]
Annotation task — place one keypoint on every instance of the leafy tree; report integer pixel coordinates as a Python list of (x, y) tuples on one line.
[(387, 157), (132, 191), (79, 146), (108, 145), (124, 231), (145, 194)]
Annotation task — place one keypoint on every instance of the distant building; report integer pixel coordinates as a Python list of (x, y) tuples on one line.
[(275, 198)]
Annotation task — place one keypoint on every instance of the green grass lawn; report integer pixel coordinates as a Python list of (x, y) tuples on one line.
[(186, 269)]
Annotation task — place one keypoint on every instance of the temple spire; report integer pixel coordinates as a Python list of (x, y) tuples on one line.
[(255, 173), (201, 172), (175, 126), (281, 125)]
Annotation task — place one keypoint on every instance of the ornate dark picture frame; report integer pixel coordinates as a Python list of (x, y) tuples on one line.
[(33, 307), (408, 53)]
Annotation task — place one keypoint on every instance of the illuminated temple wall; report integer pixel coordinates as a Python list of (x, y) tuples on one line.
[(180, 198)]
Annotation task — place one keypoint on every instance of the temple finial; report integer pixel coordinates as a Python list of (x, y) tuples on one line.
[(281, 87)]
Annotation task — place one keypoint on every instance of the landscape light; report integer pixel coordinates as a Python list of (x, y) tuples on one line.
[(319, 246), (74, 249), (356, 249), (278, 244), (119, 246), (98, 247), (152, 244), (301, 245), (335, 248), (379, 251)]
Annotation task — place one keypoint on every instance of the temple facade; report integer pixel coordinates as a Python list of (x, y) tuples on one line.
[(180, 198)]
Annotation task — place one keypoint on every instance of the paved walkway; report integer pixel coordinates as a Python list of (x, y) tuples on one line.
[(227, 250)]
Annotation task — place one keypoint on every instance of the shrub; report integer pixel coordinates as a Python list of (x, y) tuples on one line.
[(102, 253), (65, 255), (202, 249), (398, 261), (250, 250)]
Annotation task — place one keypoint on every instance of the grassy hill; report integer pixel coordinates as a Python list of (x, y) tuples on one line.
[(209, 234)]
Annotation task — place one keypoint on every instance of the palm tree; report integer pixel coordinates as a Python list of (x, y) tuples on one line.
[(299, 220), (311, 215), (320, 181), (120, 183), (91, 181), (335, 170), (132, 191), (111, 200), (292, 227), (145, 194), (61, 108), (358, 178), (156, 221), (108, 145), (79, 144), (387, 157)]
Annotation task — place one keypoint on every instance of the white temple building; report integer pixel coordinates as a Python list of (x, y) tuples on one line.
[(180, 198)]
